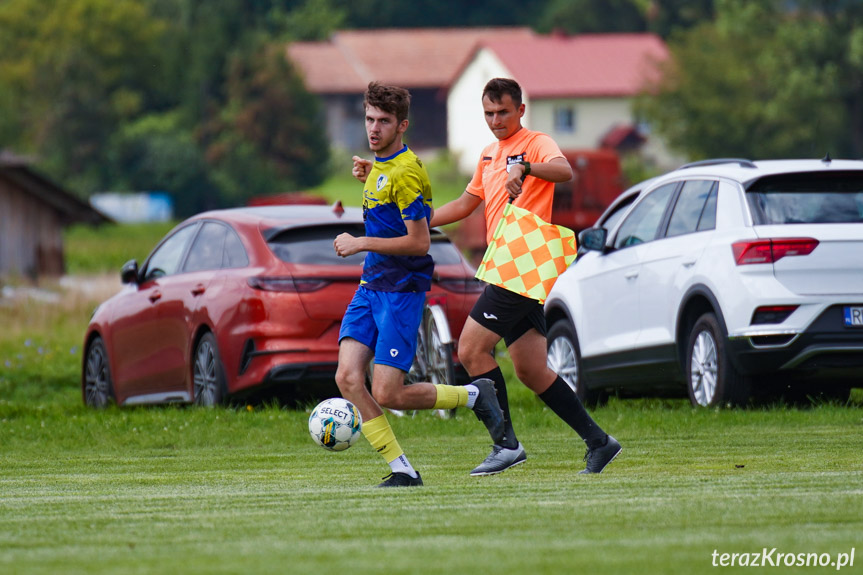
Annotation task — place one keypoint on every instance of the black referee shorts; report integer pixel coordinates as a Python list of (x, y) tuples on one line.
[(508, 314)]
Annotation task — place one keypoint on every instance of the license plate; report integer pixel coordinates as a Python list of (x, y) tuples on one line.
[(854, 316)]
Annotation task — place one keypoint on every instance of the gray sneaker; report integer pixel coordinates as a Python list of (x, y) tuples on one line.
[(500, 459), (487, 409), (598, 457)]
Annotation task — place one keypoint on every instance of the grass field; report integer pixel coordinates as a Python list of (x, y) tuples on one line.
[(244, 489)]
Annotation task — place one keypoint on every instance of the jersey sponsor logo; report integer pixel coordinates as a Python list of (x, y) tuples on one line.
[(489, 315), (382, 181), (516, 159)]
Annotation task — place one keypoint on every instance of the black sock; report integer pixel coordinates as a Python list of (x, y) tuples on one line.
[(563, 401), (509, 439)]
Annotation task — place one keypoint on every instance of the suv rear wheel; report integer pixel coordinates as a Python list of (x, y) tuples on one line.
[(711, 379), (564, 358)]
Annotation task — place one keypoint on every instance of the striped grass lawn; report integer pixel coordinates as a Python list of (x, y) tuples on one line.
[(183, 490), (244, 490)]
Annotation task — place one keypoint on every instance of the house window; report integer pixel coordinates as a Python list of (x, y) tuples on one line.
[(564, 119)]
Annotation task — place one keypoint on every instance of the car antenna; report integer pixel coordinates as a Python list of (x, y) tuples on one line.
[(827, 159), (338, 209)]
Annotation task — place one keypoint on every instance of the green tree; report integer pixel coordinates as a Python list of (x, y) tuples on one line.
[(72, 71), (593, 16), (761, 81), (443, 13), (157, 153), (311, 20), (246, 106), (664, 17), (270, 137)]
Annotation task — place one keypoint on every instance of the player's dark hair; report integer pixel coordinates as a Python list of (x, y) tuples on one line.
[(497, 87), (390, 99)]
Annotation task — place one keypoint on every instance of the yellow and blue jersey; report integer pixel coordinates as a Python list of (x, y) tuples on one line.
[(397, 189)]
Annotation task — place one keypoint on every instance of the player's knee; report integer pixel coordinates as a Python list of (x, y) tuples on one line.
[(469, 354), (387, 397), (531, 372), (350, 379)]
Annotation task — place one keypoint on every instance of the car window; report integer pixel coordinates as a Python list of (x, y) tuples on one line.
[(813, 198), (314, 245), (166, 259), (689, 207), (207, 249), (642, 223), (443, 251), (708, 216), (235, 255), (808, 207), (619, 210)]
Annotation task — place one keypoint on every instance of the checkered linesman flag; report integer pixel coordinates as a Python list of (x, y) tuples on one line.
[(527, 254)]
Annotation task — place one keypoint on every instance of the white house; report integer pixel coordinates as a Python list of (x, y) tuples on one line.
[(577, 89), (424, 60)]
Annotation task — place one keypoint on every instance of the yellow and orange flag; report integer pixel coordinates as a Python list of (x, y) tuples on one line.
[(527, 254)]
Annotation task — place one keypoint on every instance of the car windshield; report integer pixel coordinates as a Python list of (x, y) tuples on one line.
[(807, 199), (314, 245)]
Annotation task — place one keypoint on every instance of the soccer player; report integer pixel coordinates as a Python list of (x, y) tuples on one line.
[(521, 166), (384, 315)]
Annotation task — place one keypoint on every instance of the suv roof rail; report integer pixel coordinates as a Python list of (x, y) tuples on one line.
[(744, 163)]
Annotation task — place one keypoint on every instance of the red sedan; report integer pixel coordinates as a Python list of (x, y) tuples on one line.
[(236, 301)]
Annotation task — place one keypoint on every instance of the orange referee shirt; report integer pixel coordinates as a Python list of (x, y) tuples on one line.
[(490, 176)]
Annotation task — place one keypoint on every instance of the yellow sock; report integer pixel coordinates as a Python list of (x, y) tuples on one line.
[(381, 436), (450, 396)]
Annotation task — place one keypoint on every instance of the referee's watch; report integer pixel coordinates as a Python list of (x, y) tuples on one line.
[(526, 169)]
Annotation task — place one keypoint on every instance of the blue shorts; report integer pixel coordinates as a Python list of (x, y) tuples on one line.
[(386, 322)]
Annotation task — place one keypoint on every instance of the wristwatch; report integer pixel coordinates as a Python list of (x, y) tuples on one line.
[(526, 169)]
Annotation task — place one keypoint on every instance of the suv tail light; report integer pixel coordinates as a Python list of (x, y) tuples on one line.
[(286, 284), (772, 314), (771, 250)]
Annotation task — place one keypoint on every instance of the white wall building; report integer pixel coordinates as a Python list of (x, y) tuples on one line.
[(577, 89)]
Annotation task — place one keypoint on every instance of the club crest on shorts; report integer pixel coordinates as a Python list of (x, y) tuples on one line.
[(382, 181)]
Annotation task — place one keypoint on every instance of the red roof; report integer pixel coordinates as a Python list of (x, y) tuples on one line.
[(325, 68), (590, 65), (411, 58)]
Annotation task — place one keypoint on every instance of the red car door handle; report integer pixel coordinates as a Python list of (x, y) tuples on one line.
[(155, 296), (198, 289)]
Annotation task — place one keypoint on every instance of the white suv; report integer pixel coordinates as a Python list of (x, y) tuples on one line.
[(725, 278)]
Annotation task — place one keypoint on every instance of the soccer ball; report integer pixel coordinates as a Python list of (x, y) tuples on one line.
[(335, 424)]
